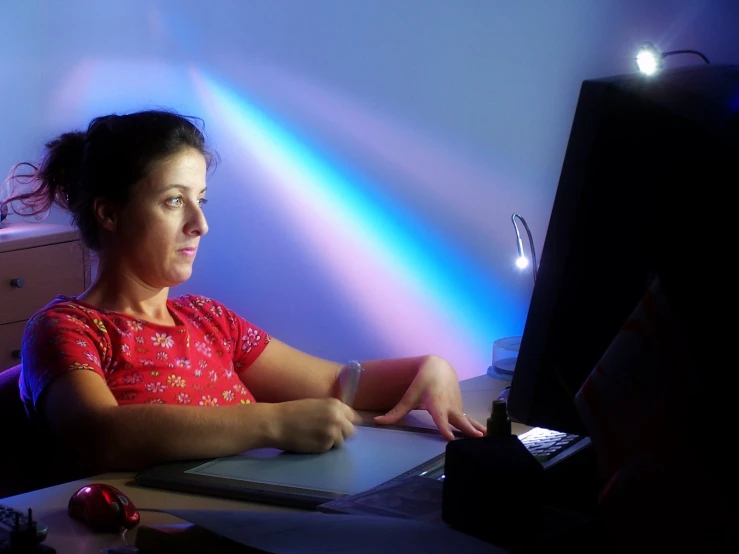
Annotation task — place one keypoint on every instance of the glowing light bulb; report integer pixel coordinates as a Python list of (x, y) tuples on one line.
[(649, 59)]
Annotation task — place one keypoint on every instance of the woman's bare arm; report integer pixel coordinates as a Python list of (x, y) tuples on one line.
[(284, 373), (132, 437)]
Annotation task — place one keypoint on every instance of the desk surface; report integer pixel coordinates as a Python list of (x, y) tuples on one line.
[(68, 536)]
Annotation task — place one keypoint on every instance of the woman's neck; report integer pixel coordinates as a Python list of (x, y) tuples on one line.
[(117, 291)]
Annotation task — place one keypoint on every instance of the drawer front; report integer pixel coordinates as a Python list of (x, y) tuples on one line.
[(42, 273), (11, 337)]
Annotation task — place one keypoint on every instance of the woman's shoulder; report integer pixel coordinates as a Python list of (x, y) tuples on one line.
[(197, 303), (66, 306), (63, 314), (198, 309)]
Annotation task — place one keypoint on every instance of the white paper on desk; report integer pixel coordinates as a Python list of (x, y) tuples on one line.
[(290, 532)]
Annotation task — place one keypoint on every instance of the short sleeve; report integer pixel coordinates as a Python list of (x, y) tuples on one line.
[(249, 340), (57, 340)]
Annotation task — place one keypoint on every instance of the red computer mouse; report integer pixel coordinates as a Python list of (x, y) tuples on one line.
[(103, 508)]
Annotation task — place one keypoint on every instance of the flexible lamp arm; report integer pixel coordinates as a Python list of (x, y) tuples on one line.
[(515, 216), (694, 52)]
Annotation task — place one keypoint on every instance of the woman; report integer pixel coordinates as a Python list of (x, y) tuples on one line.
[(121, 372)]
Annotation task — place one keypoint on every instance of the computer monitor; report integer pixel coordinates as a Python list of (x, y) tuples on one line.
[(643, 191)]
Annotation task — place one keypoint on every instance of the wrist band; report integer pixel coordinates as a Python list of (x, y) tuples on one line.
[(349, 381)]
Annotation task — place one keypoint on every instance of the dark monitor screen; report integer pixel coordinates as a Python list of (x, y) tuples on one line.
[(641, 193)]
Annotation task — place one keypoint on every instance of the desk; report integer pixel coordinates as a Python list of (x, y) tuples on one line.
[(69, 536)]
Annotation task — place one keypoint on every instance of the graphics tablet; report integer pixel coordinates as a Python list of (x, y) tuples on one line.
[(370, 457)]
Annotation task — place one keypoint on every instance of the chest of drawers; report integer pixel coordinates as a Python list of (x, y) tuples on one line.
[(37, 262)]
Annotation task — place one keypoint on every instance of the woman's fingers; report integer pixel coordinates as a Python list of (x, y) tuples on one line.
[(467, 425)]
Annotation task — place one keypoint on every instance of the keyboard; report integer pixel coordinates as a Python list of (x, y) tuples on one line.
[(547, 446), (550, 447)]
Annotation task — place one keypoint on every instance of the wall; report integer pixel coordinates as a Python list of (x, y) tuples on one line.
[(372, 151)]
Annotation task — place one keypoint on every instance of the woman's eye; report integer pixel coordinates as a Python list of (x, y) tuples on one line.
[(175, 201), (202, 202)]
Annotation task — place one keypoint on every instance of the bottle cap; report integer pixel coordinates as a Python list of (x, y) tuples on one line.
[(499, 423)]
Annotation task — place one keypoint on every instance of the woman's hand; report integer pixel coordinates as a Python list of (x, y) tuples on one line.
[(435, 389), (312, 424)]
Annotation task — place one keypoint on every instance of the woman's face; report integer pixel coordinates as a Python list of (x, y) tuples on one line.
[(159, 231)]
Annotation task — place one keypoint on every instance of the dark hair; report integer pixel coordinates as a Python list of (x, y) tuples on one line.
[(115, 152)]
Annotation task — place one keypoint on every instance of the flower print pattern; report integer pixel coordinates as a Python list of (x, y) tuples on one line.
[(208, 400), (227, 344), (135, 325), (156, 387), (250, 339), (132, 378), (163, 339), (77, 321), (144, 362), (231, 321), (203, 348), (176, 381)]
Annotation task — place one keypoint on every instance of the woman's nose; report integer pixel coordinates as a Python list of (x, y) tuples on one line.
[(197, 224)]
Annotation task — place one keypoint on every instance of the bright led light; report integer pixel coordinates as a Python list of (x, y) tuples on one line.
[(649, 59), (522, 262)]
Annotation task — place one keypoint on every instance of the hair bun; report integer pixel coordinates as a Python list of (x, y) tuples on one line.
[(62, 165)]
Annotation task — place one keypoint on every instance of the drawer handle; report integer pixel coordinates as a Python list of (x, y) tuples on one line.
[(15, 354), (17, 283)]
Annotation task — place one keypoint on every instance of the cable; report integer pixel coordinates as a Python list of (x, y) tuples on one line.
[(695, 52)]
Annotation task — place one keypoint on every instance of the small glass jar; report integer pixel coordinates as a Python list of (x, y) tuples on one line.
[(505, 354)]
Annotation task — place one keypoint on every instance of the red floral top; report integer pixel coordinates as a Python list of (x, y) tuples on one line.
[(195, 362)]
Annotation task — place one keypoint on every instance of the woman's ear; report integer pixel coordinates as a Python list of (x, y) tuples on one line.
[(105, 214)]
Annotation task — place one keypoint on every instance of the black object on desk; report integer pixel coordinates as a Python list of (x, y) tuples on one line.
[(21, 534), (493, 486)]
